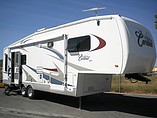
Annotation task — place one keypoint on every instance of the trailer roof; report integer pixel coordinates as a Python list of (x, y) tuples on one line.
[(43, 30)]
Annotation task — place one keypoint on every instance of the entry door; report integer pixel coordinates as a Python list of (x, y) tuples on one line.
[(16, 68)]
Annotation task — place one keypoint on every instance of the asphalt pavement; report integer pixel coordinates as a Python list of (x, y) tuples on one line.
[(107, 105)]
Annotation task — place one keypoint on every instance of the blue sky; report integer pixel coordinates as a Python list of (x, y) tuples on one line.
[(19, 18)]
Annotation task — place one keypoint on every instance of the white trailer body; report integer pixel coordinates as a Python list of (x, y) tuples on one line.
[(79, 58)]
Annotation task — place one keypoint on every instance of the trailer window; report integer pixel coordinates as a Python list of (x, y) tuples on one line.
[(17, 59), (6, 63), (23, 59), (79, 44)]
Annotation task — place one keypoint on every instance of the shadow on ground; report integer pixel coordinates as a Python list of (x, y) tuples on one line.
[(143, 106)]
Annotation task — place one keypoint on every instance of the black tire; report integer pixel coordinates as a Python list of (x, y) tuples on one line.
[(30, 92), (23, 91)]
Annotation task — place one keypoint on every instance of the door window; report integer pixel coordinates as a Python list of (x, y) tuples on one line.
[(6, 62)]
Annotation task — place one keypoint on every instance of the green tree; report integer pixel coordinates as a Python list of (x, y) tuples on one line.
[(1, 62), (155, 21)]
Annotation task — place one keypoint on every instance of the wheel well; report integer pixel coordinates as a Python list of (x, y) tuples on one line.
[(26, 86), (21, 85)]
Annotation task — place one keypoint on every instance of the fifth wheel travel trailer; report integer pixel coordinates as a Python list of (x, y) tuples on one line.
[(79, 58)]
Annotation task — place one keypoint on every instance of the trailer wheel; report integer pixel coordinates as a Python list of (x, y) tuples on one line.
[(24, 91), (30, 92)]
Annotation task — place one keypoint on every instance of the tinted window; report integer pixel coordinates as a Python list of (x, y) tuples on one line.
[(6, 62), (23, 59), (79, 44)]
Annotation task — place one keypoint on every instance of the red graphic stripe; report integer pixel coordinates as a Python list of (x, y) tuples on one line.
[(54, 70), (102, 43)]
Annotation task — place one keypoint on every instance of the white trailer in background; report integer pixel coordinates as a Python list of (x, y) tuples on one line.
[(79, 58)]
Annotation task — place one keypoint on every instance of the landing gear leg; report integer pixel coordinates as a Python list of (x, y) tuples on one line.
[(80, 102)]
